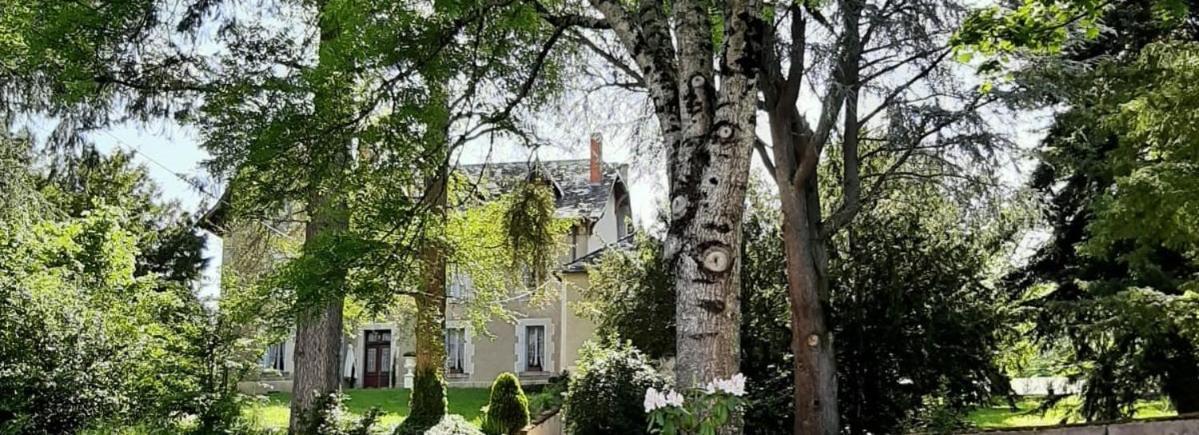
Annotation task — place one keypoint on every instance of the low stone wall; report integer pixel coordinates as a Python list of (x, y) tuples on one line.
[(263, 387), (546, 425), (1181, 425)]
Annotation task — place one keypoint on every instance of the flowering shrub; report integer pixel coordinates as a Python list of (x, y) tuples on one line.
[(701, 412), (605, 392)]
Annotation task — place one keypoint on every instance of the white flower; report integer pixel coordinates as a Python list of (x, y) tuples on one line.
[(655, 399), (734, 385), (737, 387), (675, 399)]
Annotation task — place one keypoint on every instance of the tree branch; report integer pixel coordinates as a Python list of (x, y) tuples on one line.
[(612, 59), (895, 93), (569, 20), (760, 145)]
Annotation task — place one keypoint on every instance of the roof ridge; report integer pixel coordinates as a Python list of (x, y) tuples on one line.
[(530, 162)]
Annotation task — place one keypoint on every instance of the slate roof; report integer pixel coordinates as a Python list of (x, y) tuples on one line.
[(576, 196), (580, 264)]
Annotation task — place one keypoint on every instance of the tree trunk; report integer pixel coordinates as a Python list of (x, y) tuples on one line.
[(1181, 377), (709, 172), (811, 341), (428, 402), (318, 330), (709, 135), (815, 376)]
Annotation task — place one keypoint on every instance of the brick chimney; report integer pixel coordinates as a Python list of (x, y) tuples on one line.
[(597, 158)]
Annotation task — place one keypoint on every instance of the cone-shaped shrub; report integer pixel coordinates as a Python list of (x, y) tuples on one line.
[(508, 409)]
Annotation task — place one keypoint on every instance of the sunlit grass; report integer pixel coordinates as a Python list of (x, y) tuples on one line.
[(1000, 415), (274, 412)]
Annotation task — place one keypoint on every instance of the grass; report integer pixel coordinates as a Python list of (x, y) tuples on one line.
[(1065, 411), (274, 412)]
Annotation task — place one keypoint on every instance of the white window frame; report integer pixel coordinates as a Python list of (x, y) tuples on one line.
[(521, 350), (468, 348)]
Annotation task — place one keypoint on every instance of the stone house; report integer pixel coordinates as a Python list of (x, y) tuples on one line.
[(545, 339)]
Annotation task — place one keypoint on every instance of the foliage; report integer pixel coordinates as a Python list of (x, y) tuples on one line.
[(913, 261), (428, 394), (168, 242), (453, 424), (93, 341), (607, 392), (1008, 31), (490, 240), (508, 408), (533, 233), (911, 280), (703, 411), (548, 397), (1112, 290), (630, 294), (55, 359)]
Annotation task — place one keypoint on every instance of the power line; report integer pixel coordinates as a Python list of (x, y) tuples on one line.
[(193, 183)]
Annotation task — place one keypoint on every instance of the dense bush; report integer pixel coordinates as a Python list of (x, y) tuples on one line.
[(606, 396), (507, 408), (94, 332), (55, 366), (548, 397), (453, 424)]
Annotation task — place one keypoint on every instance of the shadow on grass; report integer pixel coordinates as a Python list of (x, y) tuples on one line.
[(393, 402)]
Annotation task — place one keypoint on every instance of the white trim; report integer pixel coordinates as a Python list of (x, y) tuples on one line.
[(468, 350), (562, 311), (519, 349)]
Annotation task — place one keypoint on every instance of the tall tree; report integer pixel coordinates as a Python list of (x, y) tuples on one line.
[(319, 324), (283, 124), (912, 279), (706, 116), (902, 114), (880, 65), (428, 401), (1116, 175)]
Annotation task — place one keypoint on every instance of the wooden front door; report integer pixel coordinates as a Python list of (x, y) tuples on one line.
[(376, 358)]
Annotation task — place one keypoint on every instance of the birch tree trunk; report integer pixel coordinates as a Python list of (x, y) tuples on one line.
[(709, 135), (319, 329)]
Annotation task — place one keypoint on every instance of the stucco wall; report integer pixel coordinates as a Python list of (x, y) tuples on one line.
[(577, 329)]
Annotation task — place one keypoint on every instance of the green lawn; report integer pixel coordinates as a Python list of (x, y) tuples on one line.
[(273, 413), (1000, 416)]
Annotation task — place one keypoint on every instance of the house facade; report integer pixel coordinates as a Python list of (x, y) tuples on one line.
[(545, 338)]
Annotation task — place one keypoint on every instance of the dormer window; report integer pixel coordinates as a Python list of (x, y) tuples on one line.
[(624, 212)]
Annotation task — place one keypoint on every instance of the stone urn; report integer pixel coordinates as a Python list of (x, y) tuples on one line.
[(409, 369)]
